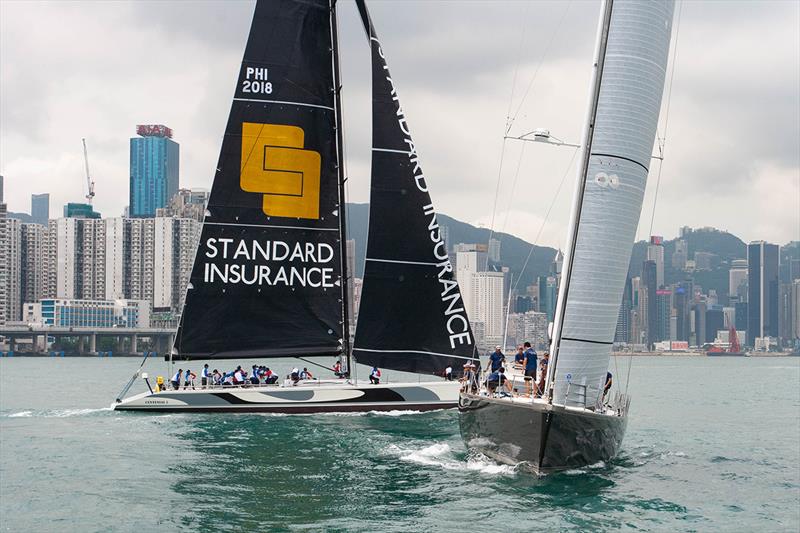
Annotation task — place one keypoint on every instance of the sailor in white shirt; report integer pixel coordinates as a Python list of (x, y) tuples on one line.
[(204, 376)]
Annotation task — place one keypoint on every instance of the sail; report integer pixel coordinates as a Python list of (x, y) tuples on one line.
[(411, 316), (266, 279), (629, 81)]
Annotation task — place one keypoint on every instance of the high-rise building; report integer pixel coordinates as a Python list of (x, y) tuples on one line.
[(494, 250), (663, 314), (40, 208), (482, 293), (682, 302), (175, 241), (655, 252), (470, 257), (10, 269), (762, 290), (680, 255), (4, 270), (187, 203), (154, 170), (623, 330), (138, 270), (33, 276), (698, 314), (715, 322), (648, 309), (548, 294), (737, 279)]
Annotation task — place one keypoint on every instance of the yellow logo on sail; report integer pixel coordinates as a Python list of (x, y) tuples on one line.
[(275, 164)]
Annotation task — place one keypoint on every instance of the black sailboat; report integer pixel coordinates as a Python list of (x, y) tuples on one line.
[(270, 279)]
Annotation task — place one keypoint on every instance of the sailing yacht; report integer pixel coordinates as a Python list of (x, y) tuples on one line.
[(573, 424), (270, 273)]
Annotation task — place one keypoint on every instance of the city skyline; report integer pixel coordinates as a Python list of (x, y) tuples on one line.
[(754, 194)]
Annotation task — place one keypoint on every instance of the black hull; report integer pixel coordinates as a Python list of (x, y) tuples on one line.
[(538, 437)]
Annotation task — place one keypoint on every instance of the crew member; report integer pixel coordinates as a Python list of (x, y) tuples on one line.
[(609, 382), (204, 375), (375, 376), (496, 359), (305, 374), (448, 373), (176, 379), (529, 365), (542, 373), (519, 358), (188, 379), (496, 379)]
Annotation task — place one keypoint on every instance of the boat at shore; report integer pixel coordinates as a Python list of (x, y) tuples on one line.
[(576, 421), (270, 277)]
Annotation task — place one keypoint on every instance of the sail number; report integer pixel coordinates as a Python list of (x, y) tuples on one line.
[(255, 81), (257, 87)]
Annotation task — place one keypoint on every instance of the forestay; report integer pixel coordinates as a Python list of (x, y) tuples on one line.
[(411, 315), (266, 279), (631, 67)]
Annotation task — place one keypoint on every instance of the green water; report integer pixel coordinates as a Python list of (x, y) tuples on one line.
[(713, 444)]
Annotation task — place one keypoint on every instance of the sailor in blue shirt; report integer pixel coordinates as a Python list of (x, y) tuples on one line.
[(530, 361), (176, 379), (496, 359)]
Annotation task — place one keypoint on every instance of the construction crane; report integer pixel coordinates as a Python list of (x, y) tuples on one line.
[(89, 182)]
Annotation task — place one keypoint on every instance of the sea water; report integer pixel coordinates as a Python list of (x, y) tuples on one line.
[(713, 444)]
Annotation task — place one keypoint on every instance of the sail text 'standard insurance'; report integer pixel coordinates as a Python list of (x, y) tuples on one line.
[(457, 323), (246, 267)]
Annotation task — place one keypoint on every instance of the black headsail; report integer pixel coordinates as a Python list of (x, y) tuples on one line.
[(267, 277), (411, 315)]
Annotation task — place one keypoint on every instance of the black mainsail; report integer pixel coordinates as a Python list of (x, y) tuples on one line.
[(267, 280), (411, 315)]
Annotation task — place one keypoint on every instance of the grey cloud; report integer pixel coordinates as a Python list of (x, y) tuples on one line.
[(95, 69)]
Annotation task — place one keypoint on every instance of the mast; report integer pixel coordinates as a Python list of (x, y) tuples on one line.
[(580, 185), (337, 91)]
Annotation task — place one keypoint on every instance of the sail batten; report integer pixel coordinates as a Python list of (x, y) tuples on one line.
[(633, 48), (267, 279), (411, 315)]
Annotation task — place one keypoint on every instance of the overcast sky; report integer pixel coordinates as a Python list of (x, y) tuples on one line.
[(96, 69)]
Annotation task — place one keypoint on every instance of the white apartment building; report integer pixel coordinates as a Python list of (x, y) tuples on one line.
[(115, 258), (530, 326), (35, 274), (175, 241), (10, 270), (483, 300)]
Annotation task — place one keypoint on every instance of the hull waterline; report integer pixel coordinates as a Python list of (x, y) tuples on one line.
[(539, 437), (311, 398)]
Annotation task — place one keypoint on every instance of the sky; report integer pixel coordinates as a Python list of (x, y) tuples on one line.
[(463, 70)]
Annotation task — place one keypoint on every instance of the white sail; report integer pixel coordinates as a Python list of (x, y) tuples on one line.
[(631, 61)]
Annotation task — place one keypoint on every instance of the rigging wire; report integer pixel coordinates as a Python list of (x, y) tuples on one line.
[(661, 147), (513, 288), (538, 66), (510, 119)]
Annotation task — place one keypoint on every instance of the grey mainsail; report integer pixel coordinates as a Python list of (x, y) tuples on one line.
[(630, 68)]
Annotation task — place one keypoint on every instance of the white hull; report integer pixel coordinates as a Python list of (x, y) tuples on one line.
[(306, 397)]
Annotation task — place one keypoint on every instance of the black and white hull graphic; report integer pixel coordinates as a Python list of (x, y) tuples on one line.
[(304, 398)]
